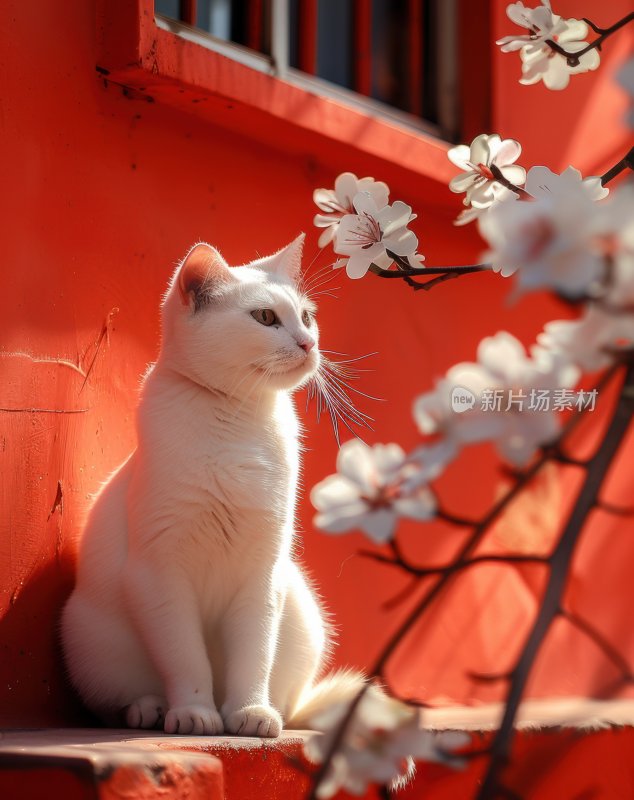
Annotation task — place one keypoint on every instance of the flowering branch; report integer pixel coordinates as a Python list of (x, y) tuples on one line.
[(443, 274), (550, 607), (446, 573), (573, 59)]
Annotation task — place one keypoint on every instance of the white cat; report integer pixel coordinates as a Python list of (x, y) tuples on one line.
[(189, 612)]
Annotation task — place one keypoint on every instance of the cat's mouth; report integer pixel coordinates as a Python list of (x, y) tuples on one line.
[(301, 364)]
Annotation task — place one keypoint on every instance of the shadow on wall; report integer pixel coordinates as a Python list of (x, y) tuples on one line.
[(33, 686)]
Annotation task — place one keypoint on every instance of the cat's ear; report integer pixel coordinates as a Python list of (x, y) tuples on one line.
[(287, 262), (202, 269)]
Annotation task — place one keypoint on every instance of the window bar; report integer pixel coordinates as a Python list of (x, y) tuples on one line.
[(415, 56), (363, 47), (188, 11), (279, 36), (307, 50), (447, 69), (254, 25)]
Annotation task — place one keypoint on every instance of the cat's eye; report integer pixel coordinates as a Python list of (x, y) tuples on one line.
[(307, 318), (265, 316)]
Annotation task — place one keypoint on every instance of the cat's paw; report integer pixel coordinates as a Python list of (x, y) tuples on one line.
[(254, 721), (146, 712), (199, 720)]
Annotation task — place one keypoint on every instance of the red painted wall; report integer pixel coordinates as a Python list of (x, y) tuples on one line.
[(103, 192)]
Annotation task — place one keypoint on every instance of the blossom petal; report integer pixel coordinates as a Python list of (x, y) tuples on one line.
[(459, 156), (354, 461), (325, 199), (574, 31), (480, 148), (324, 220), (379, 191), (514, 173), (463, 183), (327, 235), (379, 525), (346, 189), (358, 265), (335, 491), (421, 506), (388, 458), (393, 217), (509, 44), (508, 152), (403, 242), (364, 204)]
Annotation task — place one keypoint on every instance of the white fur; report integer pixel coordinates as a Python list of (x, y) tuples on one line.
[(189, 612)]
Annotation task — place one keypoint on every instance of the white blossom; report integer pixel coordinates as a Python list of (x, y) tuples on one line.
[(473, 213), (368, 235), (539, 60), (593, 340), (505, 373), (337, 202), (542, 182), (540, 21), (550, 242), (373, 487), (476, 160), (382, 740)]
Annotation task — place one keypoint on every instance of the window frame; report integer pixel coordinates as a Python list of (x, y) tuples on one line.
[(170, 61)]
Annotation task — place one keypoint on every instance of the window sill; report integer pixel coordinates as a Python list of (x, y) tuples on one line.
[(164, 62)]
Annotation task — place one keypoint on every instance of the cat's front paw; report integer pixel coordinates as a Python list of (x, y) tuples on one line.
[(199, 720), (254, 721)]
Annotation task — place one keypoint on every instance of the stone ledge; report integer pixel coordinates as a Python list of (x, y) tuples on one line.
[(104, 764)]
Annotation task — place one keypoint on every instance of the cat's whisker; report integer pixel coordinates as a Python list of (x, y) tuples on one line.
[(320, 279), (343, 374), (337, 412), (343, 402), (330, 393), (339, 380), (325, 274), (348, 360), (326, 293)]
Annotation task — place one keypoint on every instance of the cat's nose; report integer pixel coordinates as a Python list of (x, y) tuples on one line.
[(307, 345)]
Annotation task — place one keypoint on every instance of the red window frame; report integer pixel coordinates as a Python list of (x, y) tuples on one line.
[(158, 64)]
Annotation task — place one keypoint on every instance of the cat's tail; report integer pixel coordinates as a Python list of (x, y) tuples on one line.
[(335, 689)]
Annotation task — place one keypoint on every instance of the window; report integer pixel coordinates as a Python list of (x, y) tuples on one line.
[(399, 54)]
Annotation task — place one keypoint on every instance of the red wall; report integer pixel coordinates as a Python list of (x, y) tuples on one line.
[(103, 192)]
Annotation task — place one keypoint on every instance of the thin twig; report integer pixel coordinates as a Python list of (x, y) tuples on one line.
[(455, 566), (499, 177), (595, 635), (627, 162), (618, 511), (573, 59)]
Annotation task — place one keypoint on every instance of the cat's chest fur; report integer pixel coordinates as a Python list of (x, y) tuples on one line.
[(225, 471)]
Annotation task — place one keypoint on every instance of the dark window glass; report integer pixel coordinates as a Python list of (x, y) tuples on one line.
[(335, 41), (168, 8), (387, 49)]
